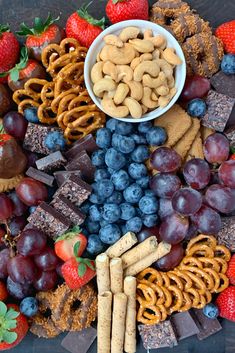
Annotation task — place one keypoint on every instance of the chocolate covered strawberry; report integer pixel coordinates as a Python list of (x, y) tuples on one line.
[(41, 35), (66, 243), (122, 10), (5, 99)]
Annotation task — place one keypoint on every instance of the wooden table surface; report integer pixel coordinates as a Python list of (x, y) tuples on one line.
[(215, 11)]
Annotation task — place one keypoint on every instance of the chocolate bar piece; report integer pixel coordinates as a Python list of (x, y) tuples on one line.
[(40, 176), (51, 162), (82, 162), (52, 222), (74, 189), (35, 137), (158, 336), (79, 342), (67, 208), (219, 109), (223, 83), (86, 143), (206, 326), (62, 175), (230, 134), (184, 325), (226, 235)]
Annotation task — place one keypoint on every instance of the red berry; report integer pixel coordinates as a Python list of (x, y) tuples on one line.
[(122, 10), (226, 32), (231, 270), (226, 303)]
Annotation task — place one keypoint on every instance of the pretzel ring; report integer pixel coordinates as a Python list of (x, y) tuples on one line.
[(222, 263), (188, 282), (166, 279), (191, 261), (148, 293), (27, 103), (187, 302), (163, 311), (56, 101), (215, 277), (208, 296), (195, 296), (202, 302), (225, 253), (47, 92), (173, 277), (209, 280), (146, 318), (168, 297), (46, 115), (201, 250), (160, 298), (209, 263), (178, 295), (203, 239), (225, 283), (200, 285)]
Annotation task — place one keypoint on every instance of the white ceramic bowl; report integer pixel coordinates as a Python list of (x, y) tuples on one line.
[(98, 44)]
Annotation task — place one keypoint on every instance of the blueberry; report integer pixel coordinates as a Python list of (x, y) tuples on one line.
[(98, 158), (123, 229), (134, 225), (115, 140), (156, 136), (120, 179), (137, 170), (29, 306), (96, 199), (145, 127), (116, 197), (140, 154), (105, 188), (103, 138), (111, 171), (148, 204), (133, 193), (211, 311), (101, 174), (84, 208), (32, 209), (127, 211), (126, 144), (94, 213), (55, 141), (123, 128), (228, 64), (139, 139), (94, 187), (196, 107), (31, 114), (114, 159), (111, 124), (143, 182), (103, 223), (111, 212), (92, 227), (94, 245), (149, 192), (150, 220), (110, 234)]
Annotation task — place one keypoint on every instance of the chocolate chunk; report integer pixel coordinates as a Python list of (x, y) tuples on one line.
[(230, 134), (52, 222), (35, 136), (40, 176), (226, 235), (79, 342), (219, 109), (224, 84), (158, 336), (206, 326), (184, 325), (62, 175), (67, 208), (75, 190), (83, 163), (86, 143), (51, 162)]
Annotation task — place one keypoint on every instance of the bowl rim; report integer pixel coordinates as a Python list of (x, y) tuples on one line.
[(119, 26)]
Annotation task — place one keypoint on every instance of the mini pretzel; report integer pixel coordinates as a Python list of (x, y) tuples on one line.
[(56, 101), (186, 279), (203, 239), (27, 103), (178, 296), (225, 283), (222, 251), (215, 277), (197, 281), (200, 250), (191, 261), (160, 297), (187, 302), (194, 295), (222, 263), (209, 263), (200, 273), (174, 278), (145, 317), (147, 292)]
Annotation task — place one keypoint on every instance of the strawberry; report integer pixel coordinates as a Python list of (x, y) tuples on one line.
[(66, 244), (122, 10), (41, 35), (231, 270), (226, 32), (83, 27), (226, 303), (9, 50), (13, 326), (3, 291)]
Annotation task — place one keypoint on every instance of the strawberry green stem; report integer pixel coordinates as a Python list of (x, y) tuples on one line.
[(38, 28), (4, 28), (83, 13)]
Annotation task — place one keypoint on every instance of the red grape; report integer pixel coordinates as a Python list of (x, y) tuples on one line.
[(214, 177), (15, 125), (31, 242), (17, 290), (16, 225), (174, 229), (192, 231), (165, 185), (32, 158), (195, 87), (221, 198), (21, 269), (165, 159), (147, 233), (216, 148), (46, 260), (197, 173), (186, 201), (58, 269), (165, 208), (171, 260), (31, 191), (4, 257), (19, 207), (227, 173), (6, 207), (207, 220), (46, 281)]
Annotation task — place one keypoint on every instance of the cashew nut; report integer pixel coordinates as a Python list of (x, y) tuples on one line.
[(150, 82), (104, 52), (121, 93), (129, 33), (96, 72), (110, 69), (158, 41), (121, 56), (134, 107), (98, 59), (144, 109), (154, 97), (171, 57), (147, 100), (125, 73), (106, 84), (162, 90), (136, 90), (156, 54), (112, 39), (150, 67), (146, 57), (165, 67), (112, 110), (142, 45), (164, 100), (135, 62), (170, 81), (111, 94)]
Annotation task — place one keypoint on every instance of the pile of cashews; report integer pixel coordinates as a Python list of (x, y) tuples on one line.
[(133, 76)]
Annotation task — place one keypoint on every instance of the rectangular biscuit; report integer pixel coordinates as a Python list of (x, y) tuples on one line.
[(205, 132), (196, 150), (184, 144)]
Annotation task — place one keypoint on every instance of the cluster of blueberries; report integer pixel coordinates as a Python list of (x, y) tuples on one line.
[(121, 200)]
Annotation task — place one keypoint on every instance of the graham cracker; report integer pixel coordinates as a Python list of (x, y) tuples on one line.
[(205, 132), (196, 150), (184, 144)]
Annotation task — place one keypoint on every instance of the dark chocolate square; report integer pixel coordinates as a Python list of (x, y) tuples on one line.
[(230, 134), (184, 325), (226, 235), (79, 342), (51, 162), (158, 336), (62, 175), (67, 208), (223, 83), (206, 326), (83, 163), (40, 176), (86, 143)]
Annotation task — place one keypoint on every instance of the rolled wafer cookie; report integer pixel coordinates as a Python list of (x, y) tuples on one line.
[(116, 275), (130, 333), (118, 322), (104, 322), (122, 245), (102, 273)]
